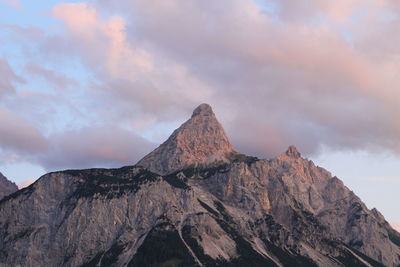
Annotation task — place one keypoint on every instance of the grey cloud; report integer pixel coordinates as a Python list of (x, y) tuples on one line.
[(55, 79), (101, 146), (22, 33), (95, 146), (16, 134), (8, 78)]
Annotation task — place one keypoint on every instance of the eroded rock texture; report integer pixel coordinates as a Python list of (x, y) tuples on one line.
[(194, 201)]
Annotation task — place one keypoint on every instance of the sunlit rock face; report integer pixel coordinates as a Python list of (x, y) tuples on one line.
[(194, 201), (6, 187)]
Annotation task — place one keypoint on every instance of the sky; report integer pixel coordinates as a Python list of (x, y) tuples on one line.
[(101, 83)]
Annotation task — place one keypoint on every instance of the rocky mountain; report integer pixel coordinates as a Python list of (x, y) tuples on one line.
[(6, 186), (194, 201)]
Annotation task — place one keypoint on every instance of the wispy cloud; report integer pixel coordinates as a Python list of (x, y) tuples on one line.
[(8, 78), (13, 3), (57, 80)]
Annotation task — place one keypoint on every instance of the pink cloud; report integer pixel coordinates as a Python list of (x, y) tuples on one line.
[(104, 40), (127, 73)]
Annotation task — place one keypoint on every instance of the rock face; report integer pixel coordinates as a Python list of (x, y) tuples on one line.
[(6, 187), (194, 201)]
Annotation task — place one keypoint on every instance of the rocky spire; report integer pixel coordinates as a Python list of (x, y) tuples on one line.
[(199, 141)]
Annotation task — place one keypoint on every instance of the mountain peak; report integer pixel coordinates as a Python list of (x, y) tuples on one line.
[(199, 141)]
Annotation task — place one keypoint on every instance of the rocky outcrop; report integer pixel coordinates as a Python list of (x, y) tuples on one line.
[(215, 207), (6, 186)]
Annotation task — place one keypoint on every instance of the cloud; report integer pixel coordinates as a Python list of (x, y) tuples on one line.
[(18, 135), (307, 9), (125, 72), (22, 34), (94, 146), (103, 40), (101, 146), (55, 79), (295, 80), (8, 78), (306, 74)]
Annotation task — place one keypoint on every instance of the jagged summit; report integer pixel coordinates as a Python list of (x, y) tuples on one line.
[(199, 141)]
